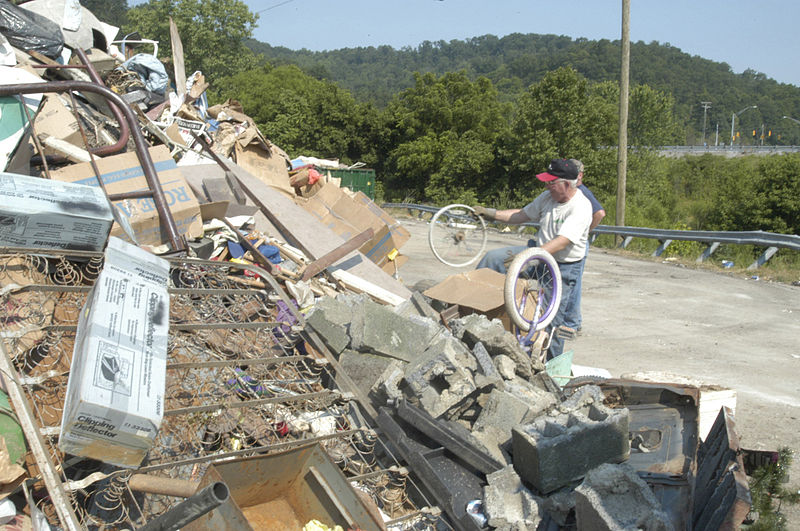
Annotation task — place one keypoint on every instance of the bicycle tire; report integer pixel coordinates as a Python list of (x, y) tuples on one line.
[(532, 265), (457, 236)]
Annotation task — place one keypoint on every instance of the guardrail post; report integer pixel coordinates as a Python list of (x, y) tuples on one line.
[(626, 241), (662, 247), (761, 260), (710, 248)]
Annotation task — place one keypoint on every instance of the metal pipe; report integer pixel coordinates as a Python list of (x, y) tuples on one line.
[(190, 509), (165, 486), (175, 239)]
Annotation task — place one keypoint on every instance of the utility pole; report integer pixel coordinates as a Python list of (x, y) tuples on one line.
[(706, 105), (624, 84)]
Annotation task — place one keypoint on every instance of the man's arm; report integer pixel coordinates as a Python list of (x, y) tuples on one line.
[(597, 217), (556, 244), (515, 216)]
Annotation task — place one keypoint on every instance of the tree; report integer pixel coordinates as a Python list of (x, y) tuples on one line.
[(561, 116), (114, 12), (442, 139), (212, 32)]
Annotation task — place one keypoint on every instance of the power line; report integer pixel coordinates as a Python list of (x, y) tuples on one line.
[(274, 6)]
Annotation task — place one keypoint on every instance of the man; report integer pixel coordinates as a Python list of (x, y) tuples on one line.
[(574, 319), (564, 215)]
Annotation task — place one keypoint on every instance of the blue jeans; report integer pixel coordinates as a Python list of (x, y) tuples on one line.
[(574, 319), (570, 278), (571, 274)]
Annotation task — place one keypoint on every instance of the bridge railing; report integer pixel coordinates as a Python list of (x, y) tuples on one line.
[(772, 242)]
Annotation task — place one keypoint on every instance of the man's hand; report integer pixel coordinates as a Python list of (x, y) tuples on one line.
[(488, 213)]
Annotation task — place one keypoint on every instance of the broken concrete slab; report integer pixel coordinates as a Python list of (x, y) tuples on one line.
[(442, 377), (505, 366), (580, 434), (364, 369), (507, 504), (387, 334), (488, 375), (614, 497), (417, 305), (331, 319), (386, 388), (497, 340)]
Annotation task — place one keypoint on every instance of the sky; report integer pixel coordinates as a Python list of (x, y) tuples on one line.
[(761, 35)]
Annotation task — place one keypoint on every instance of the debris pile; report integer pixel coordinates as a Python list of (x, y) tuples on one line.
[(293, 349)]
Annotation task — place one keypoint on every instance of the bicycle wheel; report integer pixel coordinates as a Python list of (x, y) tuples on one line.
[(532, 289), (457, 235)]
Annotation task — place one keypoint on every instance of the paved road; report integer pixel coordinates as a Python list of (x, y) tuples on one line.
[(642, 315)]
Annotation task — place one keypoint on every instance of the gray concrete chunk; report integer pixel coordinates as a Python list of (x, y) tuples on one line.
[(561, 447), (364, 369), (331, 319), (615, 498), (443, 377), (507, 504), (497, 340), (388, 334)]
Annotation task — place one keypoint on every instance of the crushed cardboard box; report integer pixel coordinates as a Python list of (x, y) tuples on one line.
[(123, 173), (348, 217)]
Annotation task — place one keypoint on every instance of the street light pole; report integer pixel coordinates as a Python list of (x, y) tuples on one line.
[(733, 119)]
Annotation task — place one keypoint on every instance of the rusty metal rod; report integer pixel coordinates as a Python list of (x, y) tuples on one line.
[(175, 239)]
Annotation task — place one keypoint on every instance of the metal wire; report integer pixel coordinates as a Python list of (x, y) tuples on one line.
[(241, 381)]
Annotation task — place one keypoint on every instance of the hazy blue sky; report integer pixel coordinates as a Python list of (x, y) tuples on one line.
[(758, 34)]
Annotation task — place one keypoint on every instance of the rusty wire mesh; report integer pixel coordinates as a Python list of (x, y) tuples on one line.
[(241, 381)]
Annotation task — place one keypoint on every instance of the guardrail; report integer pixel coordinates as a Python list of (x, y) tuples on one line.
[(712, 239)]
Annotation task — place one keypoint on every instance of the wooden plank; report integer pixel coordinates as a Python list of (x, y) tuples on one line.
[(346, 248), (177, 58), (304, 231)]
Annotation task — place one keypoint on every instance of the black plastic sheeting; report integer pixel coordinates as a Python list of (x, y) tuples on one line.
[(30, 31)]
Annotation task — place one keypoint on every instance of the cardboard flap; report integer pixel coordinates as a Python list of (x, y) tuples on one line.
[(480, 289)]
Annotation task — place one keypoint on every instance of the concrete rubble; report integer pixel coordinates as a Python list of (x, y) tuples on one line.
[(367, 368)]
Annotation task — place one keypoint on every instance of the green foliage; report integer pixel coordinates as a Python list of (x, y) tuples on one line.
[(212, 33), (441, 138), (114, 12), (516, 61), (768, 492), (305, 116)]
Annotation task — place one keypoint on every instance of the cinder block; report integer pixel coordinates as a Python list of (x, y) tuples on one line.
[(615, 498), (560, 448)]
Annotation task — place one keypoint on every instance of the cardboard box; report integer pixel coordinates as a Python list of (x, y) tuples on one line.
[(122, 173), (45, 214), (348, 217), (476, 291), (115, 393)]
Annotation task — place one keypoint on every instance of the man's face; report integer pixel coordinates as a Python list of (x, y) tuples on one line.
[(559, 190)]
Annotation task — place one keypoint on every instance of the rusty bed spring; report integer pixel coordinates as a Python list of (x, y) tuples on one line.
[(240, 381)]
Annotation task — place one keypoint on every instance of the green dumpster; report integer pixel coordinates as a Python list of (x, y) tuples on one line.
[(358, 180)]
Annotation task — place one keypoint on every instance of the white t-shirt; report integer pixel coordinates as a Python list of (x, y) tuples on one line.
[(570, 219)]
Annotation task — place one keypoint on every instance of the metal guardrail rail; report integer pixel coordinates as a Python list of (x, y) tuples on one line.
[(772, 242)]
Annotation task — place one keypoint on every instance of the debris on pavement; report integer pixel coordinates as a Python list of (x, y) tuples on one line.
[(266, 325)]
